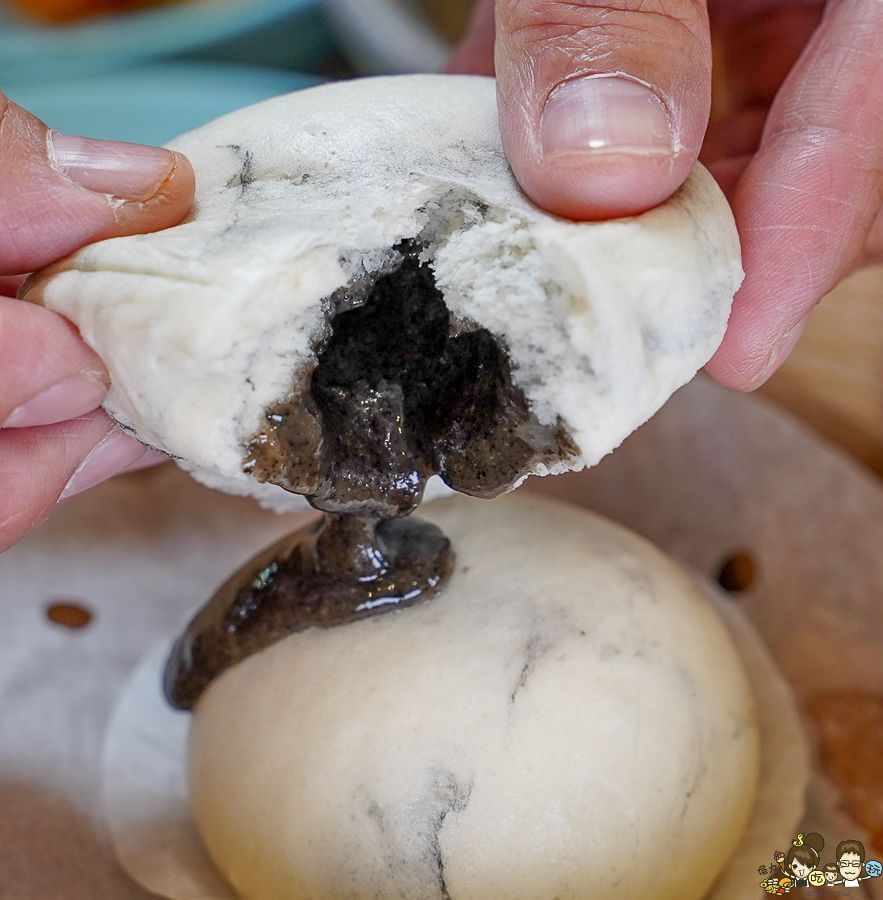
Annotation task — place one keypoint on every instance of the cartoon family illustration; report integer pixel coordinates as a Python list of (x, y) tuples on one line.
[(802, 867)]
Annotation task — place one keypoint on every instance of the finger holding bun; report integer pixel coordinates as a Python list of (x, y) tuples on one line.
[(556, 338)]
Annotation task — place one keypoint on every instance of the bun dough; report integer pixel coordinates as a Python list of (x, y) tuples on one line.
[(569, 719), (207, 326)]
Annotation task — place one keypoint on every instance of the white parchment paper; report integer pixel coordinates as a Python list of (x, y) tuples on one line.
[(145, 792)]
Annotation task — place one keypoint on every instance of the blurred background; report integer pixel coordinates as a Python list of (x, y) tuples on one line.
[(148, 70)]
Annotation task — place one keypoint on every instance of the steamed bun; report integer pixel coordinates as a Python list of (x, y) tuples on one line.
[(306, 205), (568, 720)]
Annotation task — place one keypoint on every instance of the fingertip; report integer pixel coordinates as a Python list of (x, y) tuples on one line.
[(37, 464), (69, 398), (150, 458), (10, 284), (744, 354), (62, 192), (603, 107), (744, 365), (181, 181), (173, 200), (133, 173), (724, 371), (115, 453), (48, 373), (605, 147), (168, 204), (121, 170), (601, 185)]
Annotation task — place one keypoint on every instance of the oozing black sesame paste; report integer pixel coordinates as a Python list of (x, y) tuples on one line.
[(338, 570), (401, 390)]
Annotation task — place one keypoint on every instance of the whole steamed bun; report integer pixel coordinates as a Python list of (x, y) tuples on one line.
[(211, 329), (568, 720)]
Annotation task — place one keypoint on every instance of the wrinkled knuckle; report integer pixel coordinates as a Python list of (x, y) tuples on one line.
[(816, 137), (547, 21)]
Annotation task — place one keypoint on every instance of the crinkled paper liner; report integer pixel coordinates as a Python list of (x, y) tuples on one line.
[(712, 474)]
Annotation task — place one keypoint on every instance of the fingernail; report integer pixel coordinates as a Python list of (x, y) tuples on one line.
[(605, 114), (116, 452), (131, 171), (780, 352), (75, 396), (150, 458)]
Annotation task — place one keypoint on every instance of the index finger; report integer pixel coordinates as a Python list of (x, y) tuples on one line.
[(808, 199)]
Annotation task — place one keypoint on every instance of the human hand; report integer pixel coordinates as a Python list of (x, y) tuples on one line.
[(58, 193), (603, 110)]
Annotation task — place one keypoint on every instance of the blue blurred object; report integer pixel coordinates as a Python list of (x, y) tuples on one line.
[(154, 104), (279, 32)]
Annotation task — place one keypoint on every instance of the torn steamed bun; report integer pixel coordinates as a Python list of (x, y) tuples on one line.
[(362, 297)]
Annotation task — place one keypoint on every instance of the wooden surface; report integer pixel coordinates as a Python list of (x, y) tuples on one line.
[(834, 378)]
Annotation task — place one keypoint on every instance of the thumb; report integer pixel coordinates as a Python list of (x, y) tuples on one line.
[(603, 103), (59, 192)]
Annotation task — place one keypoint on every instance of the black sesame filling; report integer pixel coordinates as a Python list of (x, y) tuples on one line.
[(339, 570), (401, 391)]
